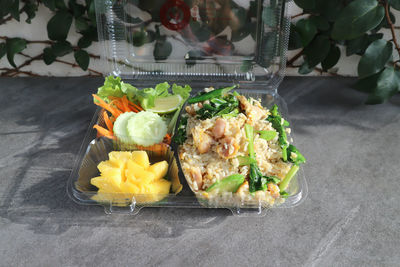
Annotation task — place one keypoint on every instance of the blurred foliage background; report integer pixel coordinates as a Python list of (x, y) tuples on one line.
[(323, 32)]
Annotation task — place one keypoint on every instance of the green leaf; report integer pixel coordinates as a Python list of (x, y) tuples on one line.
[(77, 9), (317, 50), (91, 34), (332, 58), (82, 58), (304, 68), (395, 4), (385, 24), (329, 9), (59, 25), (360, 44), (357, 18), (92, 13), (81, 24), (14, 46), (320, 22), (162, 50), (375, 58), (3, 50), (60, 4), (367, 85), (48, 56), (50, 4), (307, 30), (239, 14), (61, 48), (294, 38), (30, 10), (14, 10), (246, 65), (387, 85), (6, 6), (139, 38), (240, 34), (268, 16), (305, 4), (200, 30), (84, 42)]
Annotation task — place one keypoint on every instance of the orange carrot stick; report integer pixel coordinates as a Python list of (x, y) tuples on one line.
[(102, 131), (114, 112), (107, 121)]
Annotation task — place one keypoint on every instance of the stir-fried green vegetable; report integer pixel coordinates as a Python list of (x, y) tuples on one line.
[(285, 182), (279, 125), (257, 180), (226, 107), (295, 156), (267, 135), (210, 95), (180, 135)]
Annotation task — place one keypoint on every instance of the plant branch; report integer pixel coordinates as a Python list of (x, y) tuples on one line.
[(2, 21), (389, 21), (294, 58), (298, 15), (76, 66)]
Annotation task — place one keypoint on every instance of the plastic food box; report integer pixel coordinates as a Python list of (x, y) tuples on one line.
[(196, 42)]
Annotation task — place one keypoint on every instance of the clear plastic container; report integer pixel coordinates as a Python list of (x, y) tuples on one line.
[(200, 43)]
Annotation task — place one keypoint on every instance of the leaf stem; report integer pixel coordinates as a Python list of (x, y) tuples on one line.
[(294, 58), (298, 15), (389, 21)]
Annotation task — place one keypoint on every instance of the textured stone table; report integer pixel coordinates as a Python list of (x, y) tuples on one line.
[(350, 217)]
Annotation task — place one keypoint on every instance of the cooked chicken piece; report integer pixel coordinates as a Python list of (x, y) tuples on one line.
[(197, 177), (254, 113), (190, 110), (227, 147), (219, 128), (274, 190), (201, 140)]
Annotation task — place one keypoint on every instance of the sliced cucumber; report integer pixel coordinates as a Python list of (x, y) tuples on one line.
[(146, 128), (120, 127), (230, 183)]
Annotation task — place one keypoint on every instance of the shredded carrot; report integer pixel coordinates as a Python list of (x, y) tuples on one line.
[(124, 103), (133, 109), (102, 131), (107, 121), (114, 112), (136, 106)]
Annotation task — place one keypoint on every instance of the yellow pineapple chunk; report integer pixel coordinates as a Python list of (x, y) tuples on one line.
[(161, 187), (141, 158), (119, 158), (129, 175), (103, 183), (160, 169), (137, 174)]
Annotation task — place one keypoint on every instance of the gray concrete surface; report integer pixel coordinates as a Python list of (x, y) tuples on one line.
[(351, 216)]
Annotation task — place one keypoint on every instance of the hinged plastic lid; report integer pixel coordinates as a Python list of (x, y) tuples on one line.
[(196, 40)]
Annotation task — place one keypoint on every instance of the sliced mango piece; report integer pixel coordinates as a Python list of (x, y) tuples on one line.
[(141, 158), (159, 169)]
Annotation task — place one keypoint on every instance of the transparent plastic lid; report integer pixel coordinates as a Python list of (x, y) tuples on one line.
[(222, 40)]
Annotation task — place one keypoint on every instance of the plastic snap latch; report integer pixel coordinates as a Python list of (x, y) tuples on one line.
[(249, 212), (122, 209)]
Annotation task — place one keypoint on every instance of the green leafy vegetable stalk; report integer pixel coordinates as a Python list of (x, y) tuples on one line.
[(278, 123), (257, 180)]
